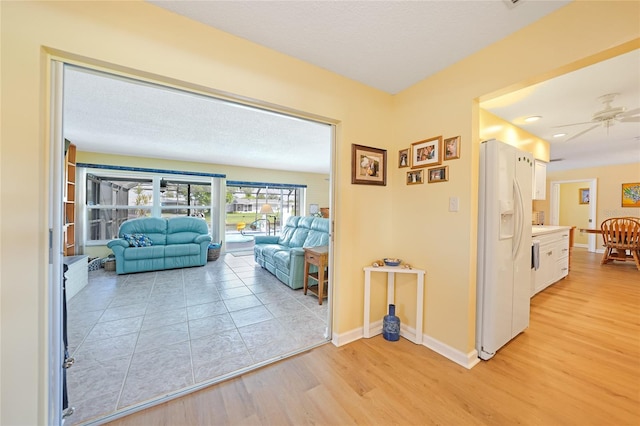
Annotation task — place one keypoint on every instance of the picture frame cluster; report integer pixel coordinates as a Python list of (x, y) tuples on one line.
[(427, 153)]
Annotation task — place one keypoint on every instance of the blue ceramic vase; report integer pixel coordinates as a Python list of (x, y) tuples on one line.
[(391, 325)]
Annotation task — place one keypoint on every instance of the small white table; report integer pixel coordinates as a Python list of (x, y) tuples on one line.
[(391, 274)]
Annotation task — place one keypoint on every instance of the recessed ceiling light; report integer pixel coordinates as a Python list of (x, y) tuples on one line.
[(559, 135), (532, 118)]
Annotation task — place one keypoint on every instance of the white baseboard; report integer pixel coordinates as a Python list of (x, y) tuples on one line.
[(466, 360), (346, 338)]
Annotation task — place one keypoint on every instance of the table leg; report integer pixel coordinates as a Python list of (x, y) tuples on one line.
[(306, 276), (367, 300), (419, 307), (391, 285), (320, 281)]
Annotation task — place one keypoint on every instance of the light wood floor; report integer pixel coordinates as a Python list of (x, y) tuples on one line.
[(577, 364)]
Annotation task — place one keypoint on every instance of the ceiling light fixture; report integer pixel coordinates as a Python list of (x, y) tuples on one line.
[(532, 118), (559, 135)]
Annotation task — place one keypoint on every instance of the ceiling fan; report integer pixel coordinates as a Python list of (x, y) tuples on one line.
[(607, 117)]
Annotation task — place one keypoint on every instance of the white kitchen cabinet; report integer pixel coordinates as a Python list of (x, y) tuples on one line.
[(539, 180), (554, 257)]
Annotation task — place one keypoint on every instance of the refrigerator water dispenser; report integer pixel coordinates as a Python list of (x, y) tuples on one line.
[(506, 219)]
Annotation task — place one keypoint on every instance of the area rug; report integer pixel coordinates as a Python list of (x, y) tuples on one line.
[(242, 253)]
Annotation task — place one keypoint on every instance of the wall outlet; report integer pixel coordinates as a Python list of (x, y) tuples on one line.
[(454, 203)]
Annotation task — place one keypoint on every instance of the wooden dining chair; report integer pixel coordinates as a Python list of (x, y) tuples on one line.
[(620, 235)]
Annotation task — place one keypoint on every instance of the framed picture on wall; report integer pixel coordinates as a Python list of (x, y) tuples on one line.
[(438, 174), (583, 196), (403, 158), (452, 148), (415, 176), (631, 194), (426, 153), (368, 165)]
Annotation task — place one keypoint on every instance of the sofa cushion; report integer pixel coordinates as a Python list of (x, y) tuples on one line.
[(282, 260), (270, 250), (184, 229), (138, 253), (318, 234), (287, 231), (299, 237), (153, 227), (172, 250), (305, 222)]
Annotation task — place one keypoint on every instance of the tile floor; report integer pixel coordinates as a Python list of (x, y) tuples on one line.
[(142, 336)]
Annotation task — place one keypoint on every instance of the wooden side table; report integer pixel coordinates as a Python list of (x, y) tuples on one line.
[(318, 256)]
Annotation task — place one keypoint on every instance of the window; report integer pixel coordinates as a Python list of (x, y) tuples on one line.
[(185, 198), (113, 196), (245, 202), (113, 200)]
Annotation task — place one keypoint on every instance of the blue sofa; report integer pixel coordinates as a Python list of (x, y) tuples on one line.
[(283, 255), (152, 244)]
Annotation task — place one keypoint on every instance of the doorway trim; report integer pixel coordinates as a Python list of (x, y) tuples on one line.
[(554, 207), (55, 353), (57, 61)]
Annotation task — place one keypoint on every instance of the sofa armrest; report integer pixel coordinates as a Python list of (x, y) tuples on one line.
[(118, 243), (202, 238), (297, 251), (266, 239)]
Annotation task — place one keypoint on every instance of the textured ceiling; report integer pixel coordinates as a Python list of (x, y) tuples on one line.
[(113, 115)]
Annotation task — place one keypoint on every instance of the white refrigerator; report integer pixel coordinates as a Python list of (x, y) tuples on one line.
[(504, 245)]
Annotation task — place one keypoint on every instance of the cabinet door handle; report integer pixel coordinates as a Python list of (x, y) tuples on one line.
[(550, 253)]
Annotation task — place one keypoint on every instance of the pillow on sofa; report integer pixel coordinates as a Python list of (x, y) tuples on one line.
[(137, 240)]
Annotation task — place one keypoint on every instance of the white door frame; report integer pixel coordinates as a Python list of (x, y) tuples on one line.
[(554, 208), (55, 352)]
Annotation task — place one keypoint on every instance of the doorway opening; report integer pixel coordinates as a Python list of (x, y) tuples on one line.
[(223, 280), (568, 203)]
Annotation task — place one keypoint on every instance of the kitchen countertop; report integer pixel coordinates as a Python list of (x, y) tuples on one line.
[(546, 229)]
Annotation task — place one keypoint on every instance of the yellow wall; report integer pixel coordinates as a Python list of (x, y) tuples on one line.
[(492, 127), (610, 180), (445, 104), (572, 213), (411, 222), (143, 40)]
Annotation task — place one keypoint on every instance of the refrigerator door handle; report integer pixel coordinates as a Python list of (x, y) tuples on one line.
[(519, 218)]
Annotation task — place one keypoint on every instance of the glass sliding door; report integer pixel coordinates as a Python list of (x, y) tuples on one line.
[(260, 208)]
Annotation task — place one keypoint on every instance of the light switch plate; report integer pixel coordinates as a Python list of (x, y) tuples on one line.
[(454, 203)]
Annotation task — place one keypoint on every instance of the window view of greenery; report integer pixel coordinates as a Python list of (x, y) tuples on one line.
[(245, 208), (112, 200), (185, 199)]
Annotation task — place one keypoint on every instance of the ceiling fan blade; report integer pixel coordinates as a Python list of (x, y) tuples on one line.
[(582, 132), (630, 120), (573, 124), (630, 113)]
